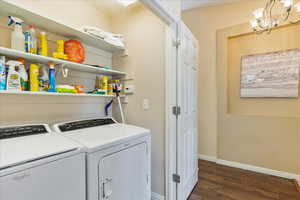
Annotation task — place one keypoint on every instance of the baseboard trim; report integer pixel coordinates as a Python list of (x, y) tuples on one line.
[(251, 168), (155, 196), (297, 183), (207, 158)]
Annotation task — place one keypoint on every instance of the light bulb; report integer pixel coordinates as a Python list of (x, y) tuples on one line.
[(258, 13), (265, 23), (287, 3), (297, 6), (126, 3), (254, 23)]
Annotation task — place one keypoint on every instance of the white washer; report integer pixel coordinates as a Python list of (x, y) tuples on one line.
[(36, 164), (118, 158)]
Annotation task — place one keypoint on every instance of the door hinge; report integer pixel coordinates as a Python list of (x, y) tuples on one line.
[(176, 110), (177, 43), (176, 178)]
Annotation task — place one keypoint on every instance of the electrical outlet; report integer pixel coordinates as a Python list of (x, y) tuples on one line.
[(146, 104), (129, 89)]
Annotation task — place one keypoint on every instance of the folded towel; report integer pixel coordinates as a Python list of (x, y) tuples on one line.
[(114, 39)]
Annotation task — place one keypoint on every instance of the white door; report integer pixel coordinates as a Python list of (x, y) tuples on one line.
[(187, 165), (124, 175)]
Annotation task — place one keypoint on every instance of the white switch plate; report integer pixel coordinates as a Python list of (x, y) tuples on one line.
[(146, 104)]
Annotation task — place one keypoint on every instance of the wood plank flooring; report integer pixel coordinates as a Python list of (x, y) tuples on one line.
[(217, 182)]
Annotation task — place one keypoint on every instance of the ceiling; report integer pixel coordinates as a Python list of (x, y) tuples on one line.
[(188, 4)]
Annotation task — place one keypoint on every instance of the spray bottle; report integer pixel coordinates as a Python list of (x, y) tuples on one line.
[(17, 36), (2, 73), (52, 81), (13, 76)]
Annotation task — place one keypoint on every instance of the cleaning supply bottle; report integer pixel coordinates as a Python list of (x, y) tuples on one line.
[(33, 42), (2, 73), (104, 84), (43, 45), (60, 50), (52, 81), (17, 36), (13, 76), (43, 79), (34, 74), (23, 75), (27, 42)]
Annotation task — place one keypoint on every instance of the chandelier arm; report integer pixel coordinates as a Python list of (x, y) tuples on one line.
[(294, 22), (287, 15), (267, 21), (260, 32), (271, 6)]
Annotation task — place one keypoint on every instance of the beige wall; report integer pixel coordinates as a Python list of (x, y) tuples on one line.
[(145, 38), (260, 132), (204, 22), (76, 13), (265, 137)]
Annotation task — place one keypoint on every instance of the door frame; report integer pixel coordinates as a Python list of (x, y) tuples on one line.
[(171, 62), (171, 66)]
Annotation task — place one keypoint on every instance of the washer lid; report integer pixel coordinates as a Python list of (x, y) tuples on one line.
[(18, 150), (100, 137)]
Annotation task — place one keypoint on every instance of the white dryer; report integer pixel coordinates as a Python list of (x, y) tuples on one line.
[(38, 165), (118, 158)]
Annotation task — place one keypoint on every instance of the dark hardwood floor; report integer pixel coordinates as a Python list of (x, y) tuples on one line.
[(217, 182)]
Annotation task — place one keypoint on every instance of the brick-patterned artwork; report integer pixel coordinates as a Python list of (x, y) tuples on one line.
[(273, 74)]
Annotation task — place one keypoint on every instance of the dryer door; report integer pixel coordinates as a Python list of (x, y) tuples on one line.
[(124, 174)]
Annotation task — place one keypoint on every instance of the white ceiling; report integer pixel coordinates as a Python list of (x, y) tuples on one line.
[(188, 4)]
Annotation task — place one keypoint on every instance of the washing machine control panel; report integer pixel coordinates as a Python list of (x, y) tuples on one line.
[(71, 126), (20, 131)]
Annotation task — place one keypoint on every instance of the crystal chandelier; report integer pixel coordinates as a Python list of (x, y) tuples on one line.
[(264, 19)]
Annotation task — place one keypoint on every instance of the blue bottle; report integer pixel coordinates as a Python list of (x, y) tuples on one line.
[(52, 81), (2, 73)]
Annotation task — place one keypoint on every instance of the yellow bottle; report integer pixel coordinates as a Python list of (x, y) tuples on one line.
[(60, 50), (43, 45), (104, 84), (34, 74)]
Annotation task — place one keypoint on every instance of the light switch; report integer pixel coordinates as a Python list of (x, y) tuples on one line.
[(146, 104)]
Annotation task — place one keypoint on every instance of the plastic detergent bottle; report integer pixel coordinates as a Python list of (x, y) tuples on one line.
[(2, 73), (27, 42), (43, 79), (43, 45), (13, 76), (104, 84), (52, 81), (23, 75), (34, 74), (17, 36), (33, 42)]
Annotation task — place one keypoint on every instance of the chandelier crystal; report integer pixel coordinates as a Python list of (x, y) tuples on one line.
[(265, 20)]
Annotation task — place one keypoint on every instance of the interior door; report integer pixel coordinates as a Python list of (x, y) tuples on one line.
[(124, 175), (187, 165)]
